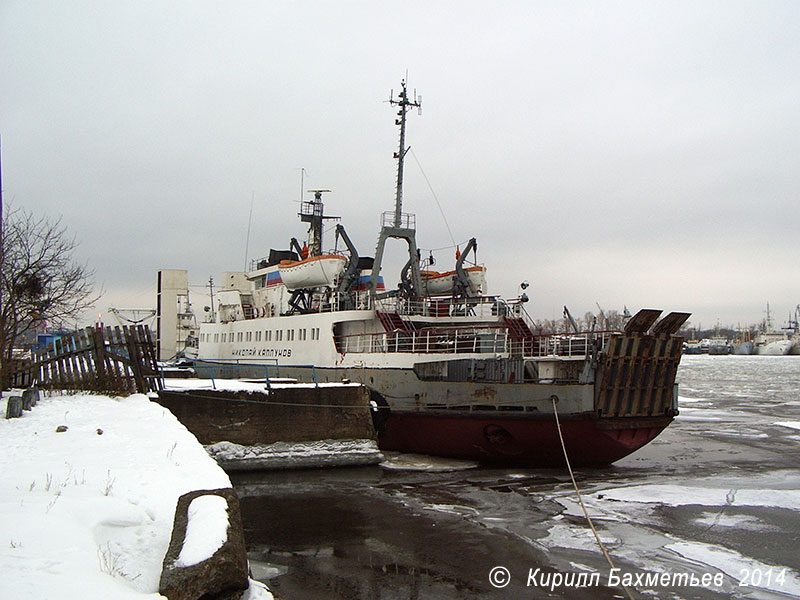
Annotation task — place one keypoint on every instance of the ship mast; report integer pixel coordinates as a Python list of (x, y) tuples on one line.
[(312, 212), (400, 225), (404, 103)]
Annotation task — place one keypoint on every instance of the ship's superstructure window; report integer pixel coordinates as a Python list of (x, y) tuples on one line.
[(268, 335), (216, 338), (278, 335), (258, 336), (249, 336), (239, 336), (290, 335), (225, 337)]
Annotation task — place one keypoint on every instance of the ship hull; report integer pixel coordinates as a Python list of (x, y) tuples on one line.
[(519, 429), (489, 410), (777, 348), (517, 439)]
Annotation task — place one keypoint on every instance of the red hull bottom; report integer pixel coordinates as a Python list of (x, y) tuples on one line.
[(511, 439)]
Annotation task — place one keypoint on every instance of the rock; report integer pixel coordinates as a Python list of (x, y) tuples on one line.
[(224, 576), (61, 428)]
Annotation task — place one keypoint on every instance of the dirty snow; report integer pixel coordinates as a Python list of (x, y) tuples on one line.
[(293, 455)]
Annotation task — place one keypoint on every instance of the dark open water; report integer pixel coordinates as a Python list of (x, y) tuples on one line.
[(710, 509)]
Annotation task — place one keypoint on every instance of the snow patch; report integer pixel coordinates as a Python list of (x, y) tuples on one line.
[(206, 529), (686, 400), (790, 424), (564, 535), (747, 572), (677, 495), (743, 522), (396, 461)]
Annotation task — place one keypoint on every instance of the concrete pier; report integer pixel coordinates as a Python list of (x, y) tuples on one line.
[(287, 426)]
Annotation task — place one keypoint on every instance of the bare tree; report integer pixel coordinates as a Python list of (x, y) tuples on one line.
[(40, 280)]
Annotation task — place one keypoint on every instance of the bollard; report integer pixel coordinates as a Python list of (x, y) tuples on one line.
[(14, 407)]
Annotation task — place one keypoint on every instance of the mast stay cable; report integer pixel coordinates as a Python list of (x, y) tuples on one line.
[(433, 193)]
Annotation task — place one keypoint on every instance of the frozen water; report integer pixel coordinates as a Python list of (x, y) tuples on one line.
[(716, 494)]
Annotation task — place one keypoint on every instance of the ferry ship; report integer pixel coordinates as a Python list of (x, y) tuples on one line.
[(453, 371)]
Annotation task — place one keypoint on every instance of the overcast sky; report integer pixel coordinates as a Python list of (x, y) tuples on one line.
[(640, 154)]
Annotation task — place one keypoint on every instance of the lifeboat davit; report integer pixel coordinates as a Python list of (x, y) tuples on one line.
[(441, 284), (315, 271)]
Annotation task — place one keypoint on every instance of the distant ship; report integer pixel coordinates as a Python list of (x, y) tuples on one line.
[(794, 329), (772, 342), (743, 345), (719, 346), (452, 371)]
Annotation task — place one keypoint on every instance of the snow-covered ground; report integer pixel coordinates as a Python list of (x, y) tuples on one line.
[(87, 512)]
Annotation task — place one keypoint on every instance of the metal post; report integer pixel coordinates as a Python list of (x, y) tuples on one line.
[(404, 103), (1, 252)]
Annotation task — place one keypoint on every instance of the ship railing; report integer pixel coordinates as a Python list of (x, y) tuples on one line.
[(571, 345), (455, 340), (340, 301), (407, 220), (227, 369), (475, 306), (490, 339), (516, 308), (470, 340)]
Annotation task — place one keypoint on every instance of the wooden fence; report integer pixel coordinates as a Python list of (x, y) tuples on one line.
[(103, 359)]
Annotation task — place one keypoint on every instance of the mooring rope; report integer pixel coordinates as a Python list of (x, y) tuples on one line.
[(580, 498)]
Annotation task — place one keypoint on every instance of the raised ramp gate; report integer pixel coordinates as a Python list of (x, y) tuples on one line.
[(671, 323), (642, 320), (636, 375)]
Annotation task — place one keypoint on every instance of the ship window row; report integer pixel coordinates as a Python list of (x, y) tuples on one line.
[(266, 336)]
